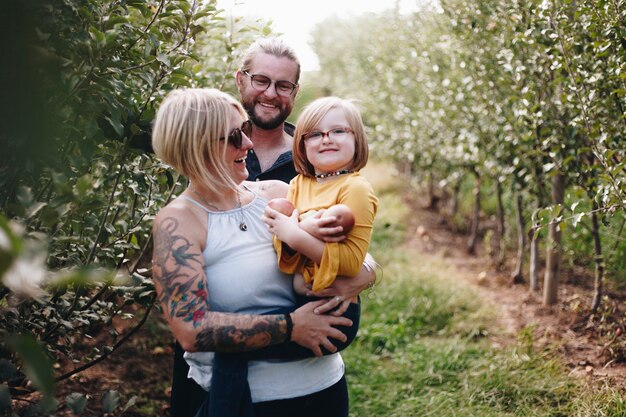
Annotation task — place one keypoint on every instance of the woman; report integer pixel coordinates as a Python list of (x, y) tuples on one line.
[(214, 265)]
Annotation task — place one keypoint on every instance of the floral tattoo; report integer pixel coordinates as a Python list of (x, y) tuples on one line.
[(243, 334), (182, 294)]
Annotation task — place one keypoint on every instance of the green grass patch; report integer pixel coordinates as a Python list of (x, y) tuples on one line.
[(424, 350)]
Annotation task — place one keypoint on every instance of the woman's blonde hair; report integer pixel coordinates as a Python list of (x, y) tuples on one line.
[(311, 117), (187, 130)]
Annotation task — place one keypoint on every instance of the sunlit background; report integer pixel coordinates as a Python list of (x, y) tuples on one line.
[(295, 19)]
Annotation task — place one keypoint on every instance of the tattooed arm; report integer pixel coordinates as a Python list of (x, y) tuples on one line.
[(178, 274)]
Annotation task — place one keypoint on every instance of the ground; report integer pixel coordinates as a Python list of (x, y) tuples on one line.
[(142, 366), (586, 350)]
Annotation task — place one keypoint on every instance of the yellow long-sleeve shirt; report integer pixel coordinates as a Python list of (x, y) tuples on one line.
[(343, 258)]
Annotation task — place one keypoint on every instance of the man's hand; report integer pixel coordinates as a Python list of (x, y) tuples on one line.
[(345, 290)]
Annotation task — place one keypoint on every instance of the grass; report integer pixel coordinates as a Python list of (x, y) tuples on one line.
[(424, 349)]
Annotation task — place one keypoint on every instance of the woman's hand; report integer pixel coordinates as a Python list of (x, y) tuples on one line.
[(313, 331)]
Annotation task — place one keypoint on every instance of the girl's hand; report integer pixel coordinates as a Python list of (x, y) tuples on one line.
[(325, 229), (313, 331), (283, 227)]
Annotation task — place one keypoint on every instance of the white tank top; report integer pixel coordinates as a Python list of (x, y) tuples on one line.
[(243, 277)]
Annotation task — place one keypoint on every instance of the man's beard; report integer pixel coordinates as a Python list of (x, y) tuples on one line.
[(270, 124)]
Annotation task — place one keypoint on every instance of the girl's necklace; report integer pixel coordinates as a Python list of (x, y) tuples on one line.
[(333, 174), (242, 225)]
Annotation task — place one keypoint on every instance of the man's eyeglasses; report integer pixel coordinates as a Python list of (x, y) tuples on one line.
[(235, 138), (261, 83), (336, 133)]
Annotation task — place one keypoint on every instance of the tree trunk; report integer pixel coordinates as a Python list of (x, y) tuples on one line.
[(471, 246), (553, 253), (517, 277), (533, 272), (454, 203), (432, 196), (599, 260), (500, 225)]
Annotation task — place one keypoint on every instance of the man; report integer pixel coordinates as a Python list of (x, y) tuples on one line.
[(268, 84)]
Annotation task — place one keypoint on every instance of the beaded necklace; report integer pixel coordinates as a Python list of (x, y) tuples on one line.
[(333, 174)]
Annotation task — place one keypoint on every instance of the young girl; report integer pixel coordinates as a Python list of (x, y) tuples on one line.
[(330, 147)]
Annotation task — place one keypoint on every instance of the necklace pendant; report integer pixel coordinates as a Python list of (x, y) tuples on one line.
[(243, 227)]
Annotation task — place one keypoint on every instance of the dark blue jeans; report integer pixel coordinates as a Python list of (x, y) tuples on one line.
[(230, 393)]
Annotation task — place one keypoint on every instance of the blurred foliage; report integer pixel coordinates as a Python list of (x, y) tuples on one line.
[(79, 185), (512, 93)]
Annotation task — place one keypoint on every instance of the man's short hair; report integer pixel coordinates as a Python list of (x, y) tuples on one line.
[(271, 46)]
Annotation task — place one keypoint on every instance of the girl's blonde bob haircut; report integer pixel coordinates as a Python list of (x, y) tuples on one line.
[(187, 130), (311, 117)]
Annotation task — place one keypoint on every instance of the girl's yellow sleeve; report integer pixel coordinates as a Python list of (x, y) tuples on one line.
[(345, 258)]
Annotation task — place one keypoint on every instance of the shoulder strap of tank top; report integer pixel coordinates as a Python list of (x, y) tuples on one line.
[(250, 189), (196, 203)]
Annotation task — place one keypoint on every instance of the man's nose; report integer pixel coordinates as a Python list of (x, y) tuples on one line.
[(270, 91)]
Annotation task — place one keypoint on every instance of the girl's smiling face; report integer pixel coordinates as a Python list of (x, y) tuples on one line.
[(333, 149)]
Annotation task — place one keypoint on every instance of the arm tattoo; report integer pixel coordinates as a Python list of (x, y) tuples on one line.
[(243, 333), (184, 296), (181, 295)]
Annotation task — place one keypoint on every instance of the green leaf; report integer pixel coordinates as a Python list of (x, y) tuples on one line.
[(49, 216), (110, 401), (37, 365), (577, 218), (7, 370), (14, 241), (45, 407), (34, 209), (24, 195), (163, 58), (130, 403), (76, 402), (116, 125), (97, 36), (83, 184), (5, 400)]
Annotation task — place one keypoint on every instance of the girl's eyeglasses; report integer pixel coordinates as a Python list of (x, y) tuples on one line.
[(336, 133), (235, 138)]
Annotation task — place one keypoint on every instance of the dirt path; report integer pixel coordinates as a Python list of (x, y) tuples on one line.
[(583, 351)]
